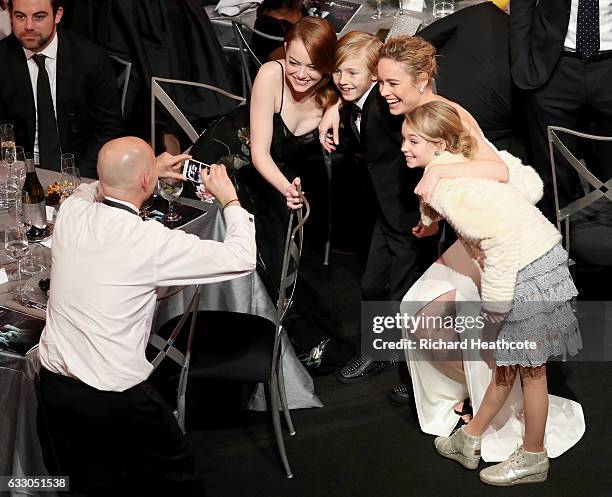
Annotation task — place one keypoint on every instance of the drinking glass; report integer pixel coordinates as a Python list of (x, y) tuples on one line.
[(378, 14), (16, 247), (69, 181), (443, 8), (170, 189), (67, 161), (402, 9), (36, 262), (7, 139)]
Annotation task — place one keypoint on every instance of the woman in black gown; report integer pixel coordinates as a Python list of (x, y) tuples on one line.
[(266, 146)]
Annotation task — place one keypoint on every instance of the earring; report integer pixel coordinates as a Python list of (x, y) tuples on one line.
[(421, 90), (437, 152)]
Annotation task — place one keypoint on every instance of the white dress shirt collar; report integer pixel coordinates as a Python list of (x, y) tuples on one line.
[(50, 51), (361, 102), (123, 202)]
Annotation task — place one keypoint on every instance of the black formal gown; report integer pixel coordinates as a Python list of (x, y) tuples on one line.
[(310, 325)]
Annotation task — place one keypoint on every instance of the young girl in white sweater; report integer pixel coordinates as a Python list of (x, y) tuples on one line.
[(525, 284)]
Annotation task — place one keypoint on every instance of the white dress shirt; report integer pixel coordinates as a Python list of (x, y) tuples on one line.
[(605, 26), (50, 64), (360, 103), (106, 265)]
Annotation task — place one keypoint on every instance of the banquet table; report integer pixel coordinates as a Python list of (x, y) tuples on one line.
[(361, 22), (20, 449)]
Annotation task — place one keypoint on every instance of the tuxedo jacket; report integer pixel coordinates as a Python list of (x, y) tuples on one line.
[(378, 148), (537, 34), (88, 110)]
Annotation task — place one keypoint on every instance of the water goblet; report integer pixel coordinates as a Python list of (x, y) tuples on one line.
[(16, 247), (378, 14), (170, 189), (443, 8)]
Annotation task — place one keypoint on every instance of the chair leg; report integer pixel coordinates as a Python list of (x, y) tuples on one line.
[(328, 168), (278, 432), (283, 395)]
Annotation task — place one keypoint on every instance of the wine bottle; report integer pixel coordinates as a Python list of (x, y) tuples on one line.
[(33, 201)]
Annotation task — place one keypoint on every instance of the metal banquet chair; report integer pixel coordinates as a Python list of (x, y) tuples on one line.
[(158, 94), (123, 71), (587, 219), (165, 346), (245, 348), (242, 41)]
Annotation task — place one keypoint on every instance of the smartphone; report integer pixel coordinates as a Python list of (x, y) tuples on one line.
[(192, 170)]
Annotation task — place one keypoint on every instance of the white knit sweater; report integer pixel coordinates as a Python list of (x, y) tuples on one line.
[(498, 224)]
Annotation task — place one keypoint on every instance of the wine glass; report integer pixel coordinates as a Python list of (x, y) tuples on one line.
[(170, 189), (7, 139), (16, 247), (378, 14), (69, 181)]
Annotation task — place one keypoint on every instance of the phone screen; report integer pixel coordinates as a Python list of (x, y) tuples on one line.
[(192, 169)]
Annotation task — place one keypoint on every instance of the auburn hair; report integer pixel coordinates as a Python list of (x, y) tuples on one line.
[(319, 39), (438, 122), (363, 45), (416, 55)]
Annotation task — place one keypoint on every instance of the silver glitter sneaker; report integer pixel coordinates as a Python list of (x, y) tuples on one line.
[(460, 446), (520, 467)]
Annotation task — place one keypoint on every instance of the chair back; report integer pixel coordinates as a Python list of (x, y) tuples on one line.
[(123, 73), (242, 44), (596, 191), (291, 264), (166, 348), (158, 94)]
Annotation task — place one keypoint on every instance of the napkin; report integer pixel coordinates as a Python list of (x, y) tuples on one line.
[(235, 7), (3, 276)]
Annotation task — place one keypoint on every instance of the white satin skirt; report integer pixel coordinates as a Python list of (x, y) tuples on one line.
[(436, 393)]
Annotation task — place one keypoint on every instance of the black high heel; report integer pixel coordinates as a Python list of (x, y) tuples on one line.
[(466, 410)]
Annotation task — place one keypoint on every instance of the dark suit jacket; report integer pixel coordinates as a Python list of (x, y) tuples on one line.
[(379, 150), (474, 66), (87, 100), (537, 33)]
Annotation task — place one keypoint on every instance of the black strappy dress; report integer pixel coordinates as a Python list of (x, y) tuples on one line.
[(310, 324)]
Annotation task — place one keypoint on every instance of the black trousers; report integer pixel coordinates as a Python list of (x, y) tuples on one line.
[(395, 262), (116, 443), (577, 96)]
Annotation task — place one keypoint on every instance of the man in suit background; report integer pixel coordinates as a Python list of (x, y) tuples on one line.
[(474, 71), (60, 91), (561, 55)]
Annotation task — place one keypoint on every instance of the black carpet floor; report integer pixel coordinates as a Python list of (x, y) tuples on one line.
[(363, 444)]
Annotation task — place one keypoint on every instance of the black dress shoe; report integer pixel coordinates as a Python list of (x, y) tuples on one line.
[(362, 368), (401, 393)]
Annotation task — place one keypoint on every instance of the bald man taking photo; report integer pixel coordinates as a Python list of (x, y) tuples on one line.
[(112, 432)]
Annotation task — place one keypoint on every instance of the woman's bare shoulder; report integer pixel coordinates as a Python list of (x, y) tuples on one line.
[(271, 70), (466, 118)]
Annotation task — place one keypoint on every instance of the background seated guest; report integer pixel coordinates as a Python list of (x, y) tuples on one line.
[(62, 95), (275, 17), (106, 422), (474, 71)]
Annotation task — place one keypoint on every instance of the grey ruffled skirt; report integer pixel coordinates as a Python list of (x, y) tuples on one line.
[(541, 313)]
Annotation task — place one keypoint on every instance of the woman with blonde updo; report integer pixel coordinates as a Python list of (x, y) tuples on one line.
[(525, 292)]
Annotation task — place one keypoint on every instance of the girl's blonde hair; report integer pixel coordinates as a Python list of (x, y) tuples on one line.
[(439, 122), (363, 45), (416, 55)]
